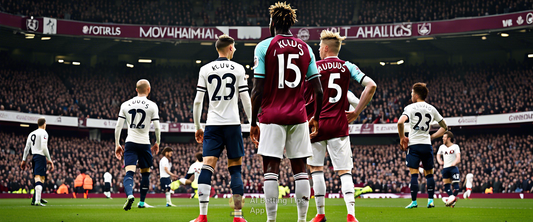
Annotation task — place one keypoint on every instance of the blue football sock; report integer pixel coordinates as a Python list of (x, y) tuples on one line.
[(414, 186), (205, 175), (145, 184), (431, 185), (455, 189), (128, 183), (448, 189), (237, 186)]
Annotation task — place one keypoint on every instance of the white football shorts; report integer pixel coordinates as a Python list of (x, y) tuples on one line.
[(339, 151), (274, 138)]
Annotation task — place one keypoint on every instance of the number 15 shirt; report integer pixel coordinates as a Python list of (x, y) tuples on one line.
[(284, 62)]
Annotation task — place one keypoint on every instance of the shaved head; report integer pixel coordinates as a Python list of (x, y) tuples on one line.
[(143, 86)]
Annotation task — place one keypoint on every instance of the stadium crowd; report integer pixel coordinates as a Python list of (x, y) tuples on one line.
[(501, 161), (456, 90), (246, 13)]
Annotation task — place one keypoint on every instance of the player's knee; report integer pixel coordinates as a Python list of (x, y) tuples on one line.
[(129, 174), (131, 168), (211, 161), (428, 172), (145, 170), (235, 162), (315, 168)]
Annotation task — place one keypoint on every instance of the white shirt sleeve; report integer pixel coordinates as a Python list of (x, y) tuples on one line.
[(457, 150), (436, 115), (440, 150)]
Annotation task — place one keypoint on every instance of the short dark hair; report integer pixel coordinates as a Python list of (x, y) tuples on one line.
[(41, 121), (283, 16), (224, 41), (167, 149), (421, 90), (199, 157), (450, 135)]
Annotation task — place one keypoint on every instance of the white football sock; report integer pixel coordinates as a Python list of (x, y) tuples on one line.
[(167, 195), (271, 190), (302, 192), (347, 190), (319, 186), (204, 191), (38, 190)]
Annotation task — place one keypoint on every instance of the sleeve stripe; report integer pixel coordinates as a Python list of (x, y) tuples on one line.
[(122, 117), (259, 76), (313, 76), (201, 90), (201, 87), (155, 119), (243, 87), (406, 115), (246, 90), (361, 82)]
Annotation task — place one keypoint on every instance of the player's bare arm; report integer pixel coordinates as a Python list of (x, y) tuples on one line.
[(313, 122), (443, 128), (366, 97), (401, 132), (197, 113), (119, 151), (439, 159), (257, 98)]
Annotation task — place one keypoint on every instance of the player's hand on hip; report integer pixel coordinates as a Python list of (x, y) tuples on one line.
[(314, 127), (351, 116), (23, 165), (51, 165), (119, 152), (199, 135), (254, 135), (155, 149), (404, 142)]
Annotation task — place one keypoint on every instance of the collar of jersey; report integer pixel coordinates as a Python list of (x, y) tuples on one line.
[(286, 35), (332, 57), (222, 59)]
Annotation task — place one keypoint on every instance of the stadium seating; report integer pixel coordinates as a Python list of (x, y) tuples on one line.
[(456, 90), (239, 13), (503, 156)]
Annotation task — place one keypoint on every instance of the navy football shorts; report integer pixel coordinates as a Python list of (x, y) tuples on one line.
[(451, 172), (165, 183), (420, 152), (218, 137), (138, 153), (39, 165)]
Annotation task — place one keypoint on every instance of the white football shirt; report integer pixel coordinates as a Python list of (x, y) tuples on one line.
[(195, 168), (162, 164), (469, 180), (107, 177), (449, 154), (38, 143), (138, 113), (223, 80), (420, 115)]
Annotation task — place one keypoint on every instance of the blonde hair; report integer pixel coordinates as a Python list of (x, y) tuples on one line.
[(332, 39), (283, 16)]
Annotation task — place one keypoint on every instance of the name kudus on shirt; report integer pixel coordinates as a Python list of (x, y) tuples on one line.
[(291, 43), (223, 66), (331, 65)]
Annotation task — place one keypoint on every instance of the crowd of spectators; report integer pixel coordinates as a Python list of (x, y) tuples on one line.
[(385, 11), (246, 13), (152, 12), (455, 90), (501, 161)]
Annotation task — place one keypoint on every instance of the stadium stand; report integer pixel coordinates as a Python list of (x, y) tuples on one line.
[(502, 161), (246, 13)]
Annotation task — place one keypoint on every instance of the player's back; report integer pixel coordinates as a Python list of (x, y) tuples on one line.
[(223, 80), (421, 115), (287, 62), (139, 112), (37, 140)]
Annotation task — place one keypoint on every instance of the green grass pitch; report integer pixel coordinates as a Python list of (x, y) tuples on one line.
[(99, 209)]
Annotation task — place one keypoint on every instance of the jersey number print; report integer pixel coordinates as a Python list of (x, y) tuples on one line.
[(230, 85)]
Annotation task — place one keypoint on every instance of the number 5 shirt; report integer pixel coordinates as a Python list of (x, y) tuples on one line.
[(420, 115)]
